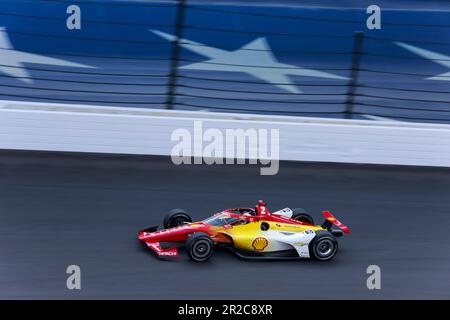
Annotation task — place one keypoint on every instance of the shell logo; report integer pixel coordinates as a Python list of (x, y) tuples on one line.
[(259, 243)]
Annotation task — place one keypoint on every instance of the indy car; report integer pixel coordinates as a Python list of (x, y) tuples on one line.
[(251, 233)]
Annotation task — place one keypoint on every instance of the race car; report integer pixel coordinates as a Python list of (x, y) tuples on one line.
[(251, 233)]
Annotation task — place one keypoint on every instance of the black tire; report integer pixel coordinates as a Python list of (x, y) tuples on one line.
[(301, 215), (324, 246), (175, 218), (199, 247)]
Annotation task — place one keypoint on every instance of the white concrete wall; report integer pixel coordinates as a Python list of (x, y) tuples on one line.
[(42, 126)]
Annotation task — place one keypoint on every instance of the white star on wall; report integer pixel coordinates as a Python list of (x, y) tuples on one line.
[(254, 58), (441, 59), (12, 61)]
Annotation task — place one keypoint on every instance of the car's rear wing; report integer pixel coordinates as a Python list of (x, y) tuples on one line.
[(331, 220)]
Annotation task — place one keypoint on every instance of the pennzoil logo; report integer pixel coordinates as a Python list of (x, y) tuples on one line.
[(259, 243)]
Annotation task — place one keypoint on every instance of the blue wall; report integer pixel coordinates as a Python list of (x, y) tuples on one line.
[(131, 63)]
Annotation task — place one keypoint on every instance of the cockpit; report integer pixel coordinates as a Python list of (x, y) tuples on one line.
[(245, 211), (226, 218)]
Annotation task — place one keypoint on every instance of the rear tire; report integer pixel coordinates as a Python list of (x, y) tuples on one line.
[(302, 216), (324, 246), (199, 246), (176, 218)]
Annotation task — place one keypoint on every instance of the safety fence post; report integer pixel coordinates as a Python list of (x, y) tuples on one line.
[(176, 52), (353, 83)]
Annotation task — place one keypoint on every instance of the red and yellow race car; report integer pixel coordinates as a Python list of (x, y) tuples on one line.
[(253, 233)]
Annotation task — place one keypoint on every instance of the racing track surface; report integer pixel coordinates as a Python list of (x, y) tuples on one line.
[(62, 209)]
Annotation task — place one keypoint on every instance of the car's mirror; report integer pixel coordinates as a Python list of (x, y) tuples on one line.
[(227, 226)]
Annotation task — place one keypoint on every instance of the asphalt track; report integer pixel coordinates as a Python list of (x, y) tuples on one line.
[(63, 209)]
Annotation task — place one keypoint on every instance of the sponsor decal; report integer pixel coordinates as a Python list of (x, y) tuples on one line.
[(259, 243), (172, 253)]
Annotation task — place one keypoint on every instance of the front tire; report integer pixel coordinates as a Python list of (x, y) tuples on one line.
[(324, 246), (200, 247), (176, 218), (302, 216)]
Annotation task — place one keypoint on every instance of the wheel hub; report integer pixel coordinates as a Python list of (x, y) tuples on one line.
[(325, 248), (201, 249)]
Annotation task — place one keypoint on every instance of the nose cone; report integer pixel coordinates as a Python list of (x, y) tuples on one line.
[(143, 235)]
